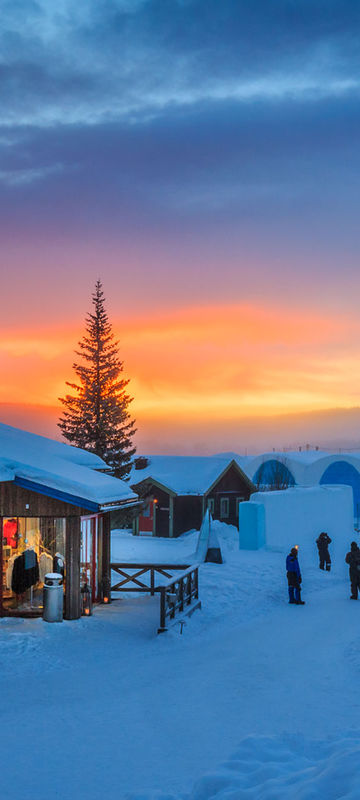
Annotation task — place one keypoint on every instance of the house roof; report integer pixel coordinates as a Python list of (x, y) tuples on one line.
[(12, 438), (193, 475), (59, 471)]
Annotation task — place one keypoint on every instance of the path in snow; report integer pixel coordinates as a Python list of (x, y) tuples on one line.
[(105, 706)]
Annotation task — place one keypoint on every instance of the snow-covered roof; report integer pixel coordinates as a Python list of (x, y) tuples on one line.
[(47, 466), (183, 474), (14, 439)]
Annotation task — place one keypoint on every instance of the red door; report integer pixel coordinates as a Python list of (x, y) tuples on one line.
[(146, 518)]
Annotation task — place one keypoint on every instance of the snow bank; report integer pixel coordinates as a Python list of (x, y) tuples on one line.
[(145, 549), (298, 515), (265, 768)]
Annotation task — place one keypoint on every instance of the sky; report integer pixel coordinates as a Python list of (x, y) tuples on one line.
[(202, 158)]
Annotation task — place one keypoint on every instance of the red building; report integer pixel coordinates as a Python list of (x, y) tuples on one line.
[(176, 490)]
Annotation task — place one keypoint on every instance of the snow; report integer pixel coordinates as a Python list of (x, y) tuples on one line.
[(302, 514), (58, 466), (12, 439), (256, 699), (192, 475), (306, 467)]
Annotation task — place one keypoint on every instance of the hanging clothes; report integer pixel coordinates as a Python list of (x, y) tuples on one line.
[(59, 564), (9, 571), (30, 558), (25, 572), (10, 528), (45, 565)]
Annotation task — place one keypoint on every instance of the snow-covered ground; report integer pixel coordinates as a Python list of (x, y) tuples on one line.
[(256, 699)]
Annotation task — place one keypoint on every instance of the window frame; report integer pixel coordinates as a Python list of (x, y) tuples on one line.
[(224, 500)]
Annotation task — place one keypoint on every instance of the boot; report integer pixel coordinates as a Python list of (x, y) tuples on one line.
[(300, 602), (328, 567)]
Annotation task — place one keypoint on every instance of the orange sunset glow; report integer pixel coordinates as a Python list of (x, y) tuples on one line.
[(220, 363)]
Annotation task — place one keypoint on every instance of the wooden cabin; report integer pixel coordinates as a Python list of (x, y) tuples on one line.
[(176, 491), (55, 504)]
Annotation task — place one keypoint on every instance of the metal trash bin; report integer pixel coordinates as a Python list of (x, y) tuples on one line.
[(53, 597)]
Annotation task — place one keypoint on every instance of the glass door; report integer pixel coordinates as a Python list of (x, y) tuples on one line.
[(89, 555)]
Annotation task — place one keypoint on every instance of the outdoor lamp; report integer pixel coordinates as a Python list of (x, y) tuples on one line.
[(86, 603), (106, 590)]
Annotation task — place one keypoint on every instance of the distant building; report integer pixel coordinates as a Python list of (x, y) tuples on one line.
[(176, 491)]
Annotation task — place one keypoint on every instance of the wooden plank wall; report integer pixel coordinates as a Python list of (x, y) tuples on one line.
[(72, 560), (14, 499), (105, 581)]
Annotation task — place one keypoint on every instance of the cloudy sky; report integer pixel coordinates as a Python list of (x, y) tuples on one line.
[(202, 158)]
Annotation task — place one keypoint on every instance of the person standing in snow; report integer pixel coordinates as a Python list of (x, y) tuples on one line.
[(323, 542), (353, 559), (294, 577)]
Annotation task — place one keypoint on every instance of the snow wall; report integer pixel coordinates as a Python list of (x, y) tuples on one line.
[(297, 516)]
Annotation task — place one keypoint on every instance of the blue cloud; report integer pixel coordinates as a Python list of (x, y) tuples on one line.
[(91, 63)]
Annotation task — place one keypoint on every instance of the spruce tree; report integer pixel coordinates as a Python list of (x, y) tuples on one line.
[(96, 416)]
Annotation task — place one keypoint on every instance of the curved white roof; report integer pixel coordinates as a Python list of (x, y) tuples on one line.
[(307, 467)]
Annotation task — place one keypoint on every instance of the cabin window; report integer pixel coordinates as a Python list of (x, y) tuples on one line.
[(211, 505), (31, 547), (224, 508)]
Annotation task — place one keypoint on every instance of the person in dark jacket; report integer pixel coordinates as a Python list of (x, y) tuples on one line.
[(294, 577), (353, 559), (323, 542)]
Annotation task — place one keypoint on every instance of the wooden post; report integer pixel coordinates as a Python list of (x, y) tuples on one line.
[(72, 562), (162, 610), (106, 555), (197, 582), (152, 581)]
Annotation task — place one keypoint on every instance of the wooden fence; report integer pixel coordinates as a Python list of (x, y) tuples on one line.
[(179, 596)]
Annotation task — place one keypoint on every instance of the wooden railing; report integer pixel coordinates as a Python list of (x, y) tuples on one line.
[(178, 597), (141, 570)]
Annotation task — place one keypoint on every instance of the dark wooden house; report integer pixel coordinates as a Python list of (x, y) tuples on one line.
[(55, 505), (176, 491)]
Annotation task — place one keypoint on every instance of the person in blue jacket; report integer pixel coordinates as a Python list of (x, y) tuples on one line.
[(294, 577)]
